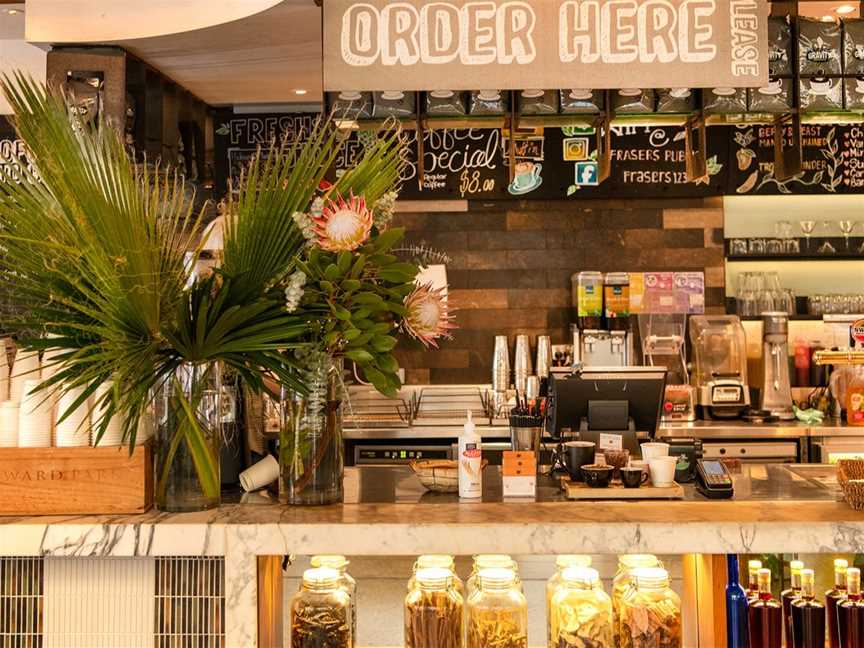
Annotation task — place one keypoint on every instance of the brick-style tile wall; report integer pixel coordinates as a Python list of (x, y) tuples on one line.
[(512, 263)]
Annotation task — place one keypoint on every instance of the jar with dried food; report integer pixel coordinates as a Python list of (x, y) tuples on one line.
[(321, 611), (490, 561), (650, 612), (497, 612), (581, 611), (621, 583), (439, 561), (562, 562), (433, 611), (346, 581)]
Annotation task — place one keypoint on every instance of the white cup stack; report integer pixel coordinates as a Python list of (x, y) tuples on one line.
[(114, 433), (49, 362), (9, 424), (25, 368), (262, 473), (35, 417), (74, 430)]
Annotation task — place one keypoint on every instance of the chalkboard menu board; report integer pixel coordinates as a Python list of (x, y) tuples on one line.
[(13, 153), (833, 161), (557, 163)]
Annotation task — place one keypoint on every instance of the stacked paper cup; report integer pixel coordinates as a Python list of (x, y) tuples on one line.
[(26, 367), (35, 417), (74, 430), (9, 424), (114, 434)]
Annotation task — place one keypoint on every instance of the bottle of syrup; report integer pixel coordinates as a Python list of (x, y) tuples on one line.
[(850, 612), (833, 598), (789, 595), (766, 616), (753, 567), (808, 616)]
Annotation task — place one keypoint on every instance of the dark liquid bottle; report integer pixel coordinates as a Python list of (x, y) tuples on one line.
[(766, 616), (850, 613), (753, 567), (833, 598), (736, 607), (789, 595), (808, 616)]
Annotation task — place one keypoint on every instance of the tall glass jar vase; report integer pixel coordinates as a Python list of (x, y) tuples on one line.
[(187, 435), (311, 454)]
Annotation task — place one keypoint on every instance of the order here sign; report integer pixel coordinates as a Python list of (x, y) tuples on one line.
[(516, 44)]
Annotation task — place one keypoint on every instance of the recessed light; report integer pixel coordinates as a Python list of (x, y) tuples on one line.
[(845, 9), (300, 91), (14, 12), (827, 18)]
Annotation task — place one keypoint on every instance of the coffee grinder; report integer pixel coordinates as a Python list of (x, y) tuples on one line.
[(720, 367)]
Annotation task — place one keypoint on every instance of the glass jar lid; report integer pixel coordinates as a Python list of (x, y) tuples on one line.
[(434, 578), (572, 560), (648, 578), (321, 579), (584, 577), (436, 560), (635, 561), (339, 563), (495, 578), (484, 561)]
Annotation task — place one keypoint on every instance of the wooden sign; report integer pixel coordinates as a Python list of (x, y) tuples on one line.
[(507, 44)]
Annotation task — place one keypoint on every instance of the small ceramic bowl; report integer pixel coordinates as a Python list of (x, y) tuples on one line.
[(597, 476)]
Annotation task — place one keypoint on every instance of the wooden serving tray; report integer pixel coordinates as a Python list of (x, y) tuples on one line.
[(579, 491), (76, 481)]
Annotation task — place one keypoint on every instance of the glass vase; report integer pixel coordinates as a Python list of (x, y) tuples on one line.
[(187, 435), (311, 452)]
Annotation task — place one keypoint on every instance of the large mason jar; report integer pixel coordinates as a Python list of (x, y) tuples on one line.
[(497, 611), (623, 577), (321, 612), (650, 611), (581, 612), (434, 611)]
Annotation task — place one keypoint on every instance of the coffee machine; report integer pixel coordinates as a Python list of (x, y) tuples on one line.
[(776, 388), (720, 365)]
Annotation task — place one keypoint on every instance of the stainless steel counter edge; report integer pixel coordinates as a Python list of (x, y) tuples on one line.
[(698, 429)]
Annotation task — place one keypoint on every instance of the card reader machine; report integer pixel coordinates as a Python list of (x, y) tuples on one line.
[(713, 480)]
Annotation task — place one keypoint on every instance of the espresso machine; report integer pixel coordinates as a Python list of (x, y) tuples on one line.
[(720, 365), (663, 345), (776, 388)]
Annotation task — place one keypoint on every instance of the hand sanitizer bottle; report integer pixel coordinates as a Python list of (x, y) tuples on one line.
[(470, 462)]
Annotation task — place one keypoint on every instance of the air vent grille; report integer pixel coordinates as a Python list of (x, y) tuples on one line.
[(21, 587)]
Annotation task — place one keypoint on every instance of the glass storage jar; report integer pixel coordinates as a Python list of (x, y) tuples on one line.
[(490, 561), (581, 612), (321, 611), (497, 611), (650, 611), (626, 564), (434, 611), (562, 562), (340, 565), (437, 561)]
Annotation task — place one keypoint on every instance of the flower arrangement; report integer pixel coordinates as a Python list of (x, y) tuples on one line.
[(100, 264)]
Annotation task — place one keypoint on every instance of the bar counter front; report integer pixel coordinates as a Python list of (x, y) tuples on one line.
[(781, 509)]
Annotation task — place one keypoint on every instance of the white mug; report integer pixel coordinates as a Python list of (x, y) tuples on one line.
[(662, 470), (651, 450)]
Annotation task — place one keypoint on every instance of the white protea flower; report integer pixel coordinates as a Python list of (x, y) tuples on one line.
[(429, 317), (294, 291), (344, 225)]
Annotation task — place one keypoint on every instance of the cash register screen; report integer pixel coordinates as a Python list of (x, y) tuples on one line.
[(641, 387)]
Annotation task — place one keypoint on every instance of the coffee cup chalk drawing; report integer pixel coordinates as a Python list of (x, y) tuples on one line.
[(526, 179)]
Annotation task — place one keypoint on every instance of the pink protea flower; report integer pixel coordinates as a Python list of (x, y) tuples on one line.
[(343, 225), (429, 317)]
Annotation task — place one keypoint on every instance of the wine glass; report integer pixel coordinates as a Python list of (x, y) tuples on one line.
[(846, 227), (807, 227)]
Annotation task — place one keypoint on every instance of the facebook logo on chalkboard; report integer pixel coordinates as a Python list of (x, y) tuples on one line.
[(587, 174)]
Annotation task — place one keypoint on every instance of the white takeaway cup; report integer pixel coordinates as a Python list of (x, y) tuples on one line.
[(262, 473), (9, 424), (662, 470), (651, 450)]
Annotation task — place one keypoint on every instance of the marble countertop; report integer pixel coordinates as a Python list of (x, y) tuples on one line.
[(777, 508)]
